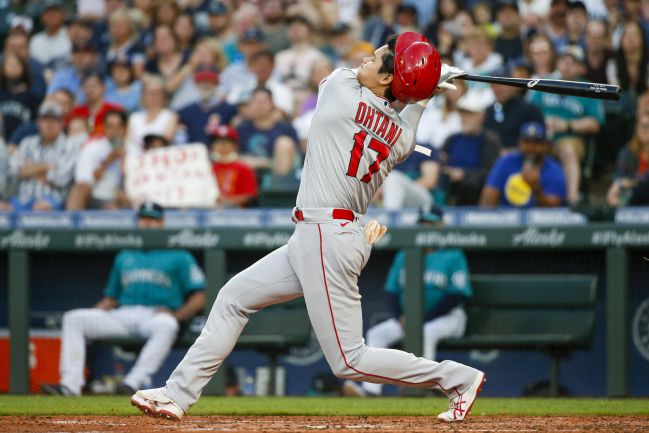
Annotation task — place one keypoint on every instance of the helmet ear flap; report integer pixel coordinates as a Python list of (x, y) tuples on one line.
[(417, 68)]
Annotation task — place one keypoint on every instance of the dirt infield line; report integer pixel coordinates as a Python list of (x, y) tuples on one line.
[(292, 424)]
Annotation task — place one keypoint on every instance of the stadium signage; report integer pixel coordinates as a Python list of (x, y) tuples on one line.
[(108, 240), (451, 239), (268, 240), (189, 239), (21, 240), (619, 237), (539, 238)]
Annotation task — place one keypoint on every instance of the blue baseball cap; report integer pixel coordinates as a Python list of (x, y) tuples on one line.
[(533, 131), (151, 209)]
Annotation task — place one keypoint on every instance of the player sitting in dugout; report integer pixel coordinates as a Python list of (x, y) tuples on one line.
[(149, 294), (446, 288)]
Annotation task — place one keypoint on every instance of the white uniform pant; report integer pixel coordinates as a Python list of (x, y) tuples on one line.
[(390, 332), (321, 262), (82, 325), (400, 191)]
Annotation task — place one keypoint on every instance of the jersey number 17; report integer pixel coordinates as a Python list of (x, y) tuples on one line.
[(382, 150)]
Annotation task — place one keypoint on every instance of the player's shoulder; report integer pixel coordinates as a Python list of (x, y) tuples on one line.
[(341, 76)]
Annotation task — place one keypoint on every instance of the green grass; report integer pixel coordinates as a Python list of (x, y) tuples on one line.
[(42, 405)]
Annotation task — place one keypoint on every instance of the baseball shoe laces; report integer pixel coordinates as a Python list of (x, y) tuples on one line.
[(460, 405)]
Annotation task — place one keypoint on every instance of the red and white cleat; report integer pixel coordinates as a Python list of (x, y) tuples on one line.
[(153, 402), (460, 405)]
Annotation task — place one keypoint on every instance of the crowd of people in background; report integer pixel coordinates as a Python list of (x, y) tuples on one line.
[(86, 85)]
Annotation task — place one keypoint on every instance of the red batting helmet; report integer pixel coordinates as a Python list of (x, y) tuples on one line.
[(416, 68)]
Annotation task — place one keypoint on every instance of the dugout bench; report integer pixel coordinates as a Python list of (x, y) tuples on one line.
[(554, 314)]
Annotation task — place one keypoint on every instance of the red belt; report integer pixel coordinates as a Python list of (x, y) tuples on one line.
[(337, 214)]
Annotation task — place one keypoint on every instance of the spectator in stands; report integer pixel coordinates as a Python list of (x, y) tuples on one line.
[(80, 30), (556, 26), (509, 43), (239, 73), (576, 21), (533, 13), (446, 12), (598, 52), (4, 171), (152, 118), (207, 55), (274, 26), (527, 178), (440, 120), (98, 171), (294, 64), (51, 46), (219, 25), (467, 156), (266, 142), (543, 57), (124, 40), (168, 56), (210, 111), (185, 33), (165, 12), (155, 140), (148, 295), (629, 68), (481, 60), (84, 59), (121, 86), (262, 65), (632, 164), (237, 181), (510, 111), (411, 184), (18, 103), (17, 43), (569, 119), (95, 107), (63, 97), (447, 287), (483, 18), (43, 164)]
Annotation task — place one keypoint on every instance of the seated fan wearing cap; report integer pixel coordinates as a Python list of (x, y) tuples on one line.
[(529, 177)]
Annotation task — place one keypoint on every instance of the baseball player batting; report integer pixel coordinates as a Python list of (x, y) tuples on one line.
[(355, 140)]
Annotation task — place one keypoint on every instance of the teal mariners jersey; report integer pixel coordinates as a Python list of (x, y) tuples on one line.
[(445, 273), (160, 278), (567, 107)]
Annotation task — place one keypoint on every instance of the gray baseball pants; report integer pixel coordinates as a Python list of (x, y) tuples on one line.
[(322, 262)]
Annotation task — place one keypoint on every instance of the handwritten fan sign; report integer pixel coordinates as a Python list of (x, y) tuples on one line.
[(178, 177)]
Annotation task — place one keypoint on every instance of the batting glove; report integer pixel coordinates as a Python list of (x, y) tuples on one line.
[(448, 74), (374, 231)]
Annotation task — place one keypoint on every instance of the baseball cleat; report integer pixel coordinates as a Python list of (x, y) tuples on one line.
[(153, 402), (352, 389), (461, 404), (57, 389)]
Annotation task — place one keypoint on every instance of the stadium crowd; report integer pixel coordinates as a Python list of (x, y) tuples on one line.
[(86, 85)]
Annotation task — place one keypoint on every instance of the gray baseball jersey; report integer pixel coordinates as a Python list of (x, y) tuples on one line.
[(355, 140)]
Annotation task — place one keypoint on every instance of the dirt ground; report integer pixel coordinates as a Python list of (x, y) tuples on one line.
[(476, 423)]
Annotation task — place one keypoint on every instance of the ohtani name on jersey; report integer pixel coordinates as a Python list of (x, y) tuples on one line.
[(377, 122)]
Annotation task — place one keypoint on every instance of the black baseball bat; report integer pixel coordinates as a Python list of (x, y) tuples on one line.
[(562, 87)]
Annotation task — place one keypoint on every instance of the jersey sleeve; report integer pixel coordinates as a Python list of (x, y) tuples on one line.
[(114, 285), (594, 108), (341, 79), (191, 275), (458, 274), (392, 283)]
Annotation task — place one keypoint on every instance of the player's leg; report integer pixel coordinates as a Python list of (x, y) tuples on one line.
[(160, 330), (78, 327), (447, 326), (328, 260), (269, 281), (382, 335)]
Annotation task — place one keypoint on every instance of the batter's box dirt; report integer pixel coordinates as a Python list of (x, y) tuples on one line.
[(476, 423)]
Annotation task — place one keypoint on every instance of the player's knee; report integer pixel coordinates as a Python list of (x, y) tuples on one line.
[(76, 318), (165, 323)]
